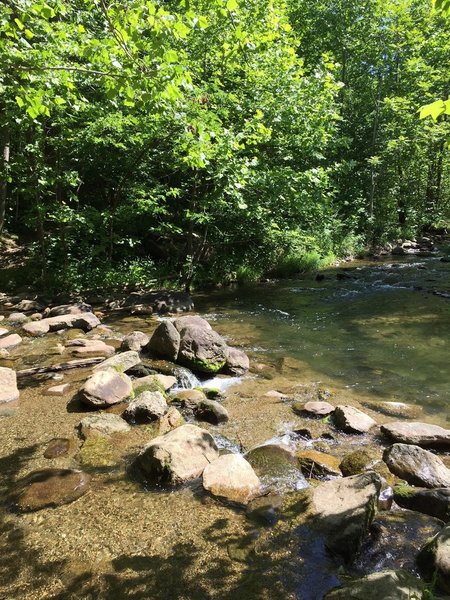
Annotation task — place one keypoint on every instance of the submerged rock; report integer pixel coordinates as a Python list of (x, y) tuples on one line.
[(49, 488), (313, 408), (8, 385), (434, 560), (394, 540), (104, 388), (147, 407), (385, 585), (102, 424), (435, 502), (211, 411), (394, 409), (420, 434), (352, 420), (57, 447), (231, 477), (277, 467), (417, 466), (178, 456)]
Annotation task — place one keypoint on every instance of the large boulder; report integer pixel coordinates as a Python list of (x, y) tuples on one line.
[(165, 341), (68, 309), (435, 502), (136, 340), (178, 456), (420, 434), (384, 585), (318, 464), (85, 321), (105, 388), (120, 362), (147, 407), (352, 420), (231, 477), (8, 385), (237, 362), (434, 560), (417, 466), (49, 488), (202, 349)]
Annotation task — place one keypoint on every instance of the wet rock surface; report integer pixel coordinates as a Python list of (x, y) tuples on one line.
[(434, 560), (102, 424), (435, 502), (417, 466), (421, 434), (49, 488), (231, 477)]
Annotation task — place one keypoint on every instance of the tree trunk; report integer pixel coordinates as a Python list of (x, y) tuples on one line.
[(5, 151)]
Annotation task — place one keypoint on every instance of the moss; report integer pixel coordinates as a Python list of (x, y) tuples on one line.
[(206, 366), (404, 490)]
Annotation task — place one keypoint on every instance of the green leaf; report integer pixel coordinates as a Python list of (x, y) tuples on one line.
[(232, 5), (20, 102), (434, 110)]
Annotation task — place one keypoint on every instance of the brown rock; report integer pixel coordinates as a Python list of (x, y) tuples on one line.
[(319, 464), (231, 477), (57, 390), (165, 342), (57, 447), (10, 341), (104, 388), (85, 347)]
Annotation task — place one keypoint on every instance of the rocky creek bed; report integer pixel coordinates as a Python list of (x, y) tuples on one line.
[(171, 466)]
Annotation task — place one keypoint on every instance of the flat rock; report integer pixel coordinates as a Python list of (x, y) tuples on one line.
[(85, 347), (434, 502), (106, 387), (10, 341), (49, 488), (102, 424), (136, 340), (28, 306), (147, 407), (57, 390), (178, 456), (384, 585), (318, 464), (121, 362), (352, 420), (85, 321), (8, 385), (231, 477), (313, 408), (395, 409), (434, 560), (3, 331), (189, 398), (420, 434), (69, 309), (17, 317), (417, 466)]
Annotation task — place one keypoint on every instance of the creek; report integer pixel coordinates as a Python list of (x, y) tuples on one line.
[(369, 331)]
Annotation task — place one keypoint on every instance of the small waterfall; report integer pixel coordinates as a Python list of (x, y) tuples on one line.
[(186, 380)]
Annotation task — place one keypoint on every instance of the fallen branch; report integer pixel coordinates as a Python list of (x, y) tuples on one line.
[(71, 364)]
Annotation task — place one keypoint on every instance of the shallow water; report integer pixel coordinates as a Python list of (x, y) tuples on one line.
[(374, 336)]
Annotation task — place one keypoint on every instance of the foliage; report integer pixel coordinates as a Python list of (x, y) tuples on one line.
[(214, 140)]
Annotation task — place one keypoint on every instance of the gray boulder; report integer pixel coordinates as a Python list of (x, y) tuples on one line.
[(417, 466), (178, 456), (190, 321), (237, 362), (135, 340), (211, 411), (147, 407), (202, 350), (165, 341), (434, 502), (420, 434), (106, 387), (102, 424), (68, 309)]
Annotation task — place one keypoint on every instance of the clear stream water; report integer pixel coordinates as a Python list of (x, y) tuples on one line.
[(380, 333)]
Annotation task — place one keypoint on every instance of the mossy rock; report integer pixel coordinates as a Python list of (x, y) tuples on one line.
[(97, 453)]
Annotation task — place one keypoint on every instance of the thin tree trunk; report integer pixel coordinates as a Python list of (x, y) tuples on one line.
[(5, 153)]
